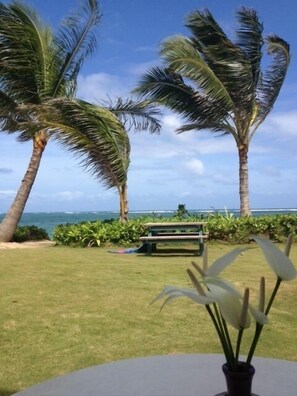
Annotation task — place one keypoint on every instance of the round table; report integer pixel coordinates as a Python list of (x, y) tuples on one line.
[(167, 375)]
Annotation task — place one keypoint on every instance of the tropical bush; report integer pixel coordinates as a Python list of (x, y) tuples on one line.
[(96, 233), (226, 227), (29, 233), (238, 230)]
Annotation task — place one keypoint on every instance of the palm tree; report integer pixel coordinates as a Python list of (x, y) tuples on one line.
[(98, 136), (219, 85), (36, 66), (137, 115)]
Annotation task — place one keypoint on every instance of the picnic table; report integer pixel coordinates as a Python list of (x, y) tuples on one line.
[(174, 232)]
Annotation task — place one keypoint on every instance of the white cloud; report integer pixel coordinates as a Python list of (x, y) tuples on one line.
[(196, 166), (171, 121), (224, 145), (69, 195), (137, 70), (7, 193), (222, 179), (282, 124), (101, 86), (185, 194)]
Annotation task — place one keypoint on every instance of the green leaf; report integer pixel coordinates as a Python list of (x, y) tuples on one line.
[(182, 57)]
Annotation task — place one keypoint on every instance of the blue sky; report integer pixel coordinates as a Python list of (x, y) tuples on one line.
[(196, 168)]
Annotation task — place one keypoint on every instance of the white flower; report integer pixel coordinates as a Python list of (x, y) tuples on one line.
[(230, 306), (217, 283), (281, 265), (221, 263), (172, 292)]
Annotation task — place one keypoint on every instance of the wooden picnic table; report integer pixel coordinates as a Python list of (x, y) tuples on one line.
[(174, 232)]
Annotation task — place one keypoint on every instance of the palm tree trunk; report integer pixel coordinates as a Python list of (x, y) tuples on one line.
[(12, 218), (244, 181), (123, 203)]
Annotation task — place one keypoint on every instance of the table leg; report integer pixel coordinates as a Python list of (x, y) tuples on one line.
[(201, 247)]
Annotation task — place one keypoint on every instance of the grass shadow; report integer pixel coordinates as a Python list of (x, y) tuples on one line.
[(168, 252), (7, 392)]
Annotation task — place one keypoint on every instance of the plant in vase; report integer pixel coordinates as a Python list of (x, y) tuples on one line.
[(226, 307)]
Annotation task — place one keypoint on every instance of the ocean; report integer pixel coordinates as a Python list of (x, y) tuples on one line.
[(50, 220)]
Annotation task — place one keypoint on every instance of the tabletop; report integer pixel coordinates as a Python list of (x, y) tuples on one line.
[(177, 224), (167, 375)]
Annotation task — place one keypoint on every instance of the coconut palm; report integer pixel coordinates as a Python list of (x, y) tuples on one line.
[(36, 66), (218, 84), (98, 136), (136, 115)]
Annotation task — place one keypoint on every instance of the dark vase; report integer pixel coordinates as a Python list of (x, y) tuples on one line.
[(239, 382)]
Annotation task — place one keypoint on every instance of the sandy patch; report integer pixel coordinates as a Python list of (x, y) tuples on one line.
[(28, 244)]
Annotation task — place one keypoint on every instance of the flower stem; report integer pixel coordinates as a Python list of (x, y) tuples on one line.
[(259, 327), (238, 343), (229, 343), (224, 343), (275, 290)]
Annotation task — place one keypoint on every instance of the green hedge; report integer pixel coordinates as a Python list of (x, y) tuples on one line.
[(29, 233), (96, 233), (220, 228), (238, 230)]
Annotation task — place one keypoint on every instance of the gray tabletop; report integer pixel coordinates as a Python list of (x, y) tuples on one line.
[(168, 375)]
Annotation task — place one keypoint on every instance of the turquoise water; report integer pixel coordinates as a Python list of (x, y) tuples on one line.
[(48, 221)]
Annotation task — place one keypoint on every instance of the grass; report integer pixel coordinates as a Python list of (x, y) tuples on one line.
[(63, 309)]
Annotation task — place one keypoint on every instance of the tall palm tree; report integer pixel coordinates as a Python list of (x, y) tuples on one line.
[(217, 84), (36, 66)]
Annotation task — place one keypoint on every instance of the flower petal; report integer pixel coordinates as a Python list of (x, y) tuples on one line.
[(230, 306), (221, 263), (172, 292), (258, 316), (281, 265), (223, 284)]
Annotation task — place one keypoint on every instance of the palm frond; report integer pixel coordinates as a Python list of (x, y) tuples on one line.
[(7, 104), (96, 137), (167, 88), (182, 57), (226, 59), (272, 80), (76, 40), (136, 114), (24, 43), (16, 117), (250, 39), (220, 127)]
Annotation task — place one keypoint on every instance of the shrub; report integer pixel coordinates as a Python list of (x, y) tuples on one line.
[(238, 230), (96, 233), (220, 227), (29, 233)]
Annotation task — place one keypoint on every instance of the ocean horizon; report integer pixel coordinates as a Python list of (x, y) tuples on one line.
[(49, 220)]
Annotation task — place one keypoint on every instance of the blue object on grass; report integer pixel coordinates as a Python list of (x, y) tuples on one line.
[(140, 249)]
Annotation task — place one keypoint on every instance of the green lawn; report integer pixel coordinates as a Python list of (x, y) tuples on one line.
[(67, 308)]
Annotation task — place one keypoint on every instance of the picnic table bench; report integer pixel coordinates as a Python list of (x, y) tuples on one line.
[(174, 232)]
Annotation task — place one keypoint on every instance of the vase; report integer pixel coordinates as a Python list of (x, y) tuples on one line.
[(239, 382)]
